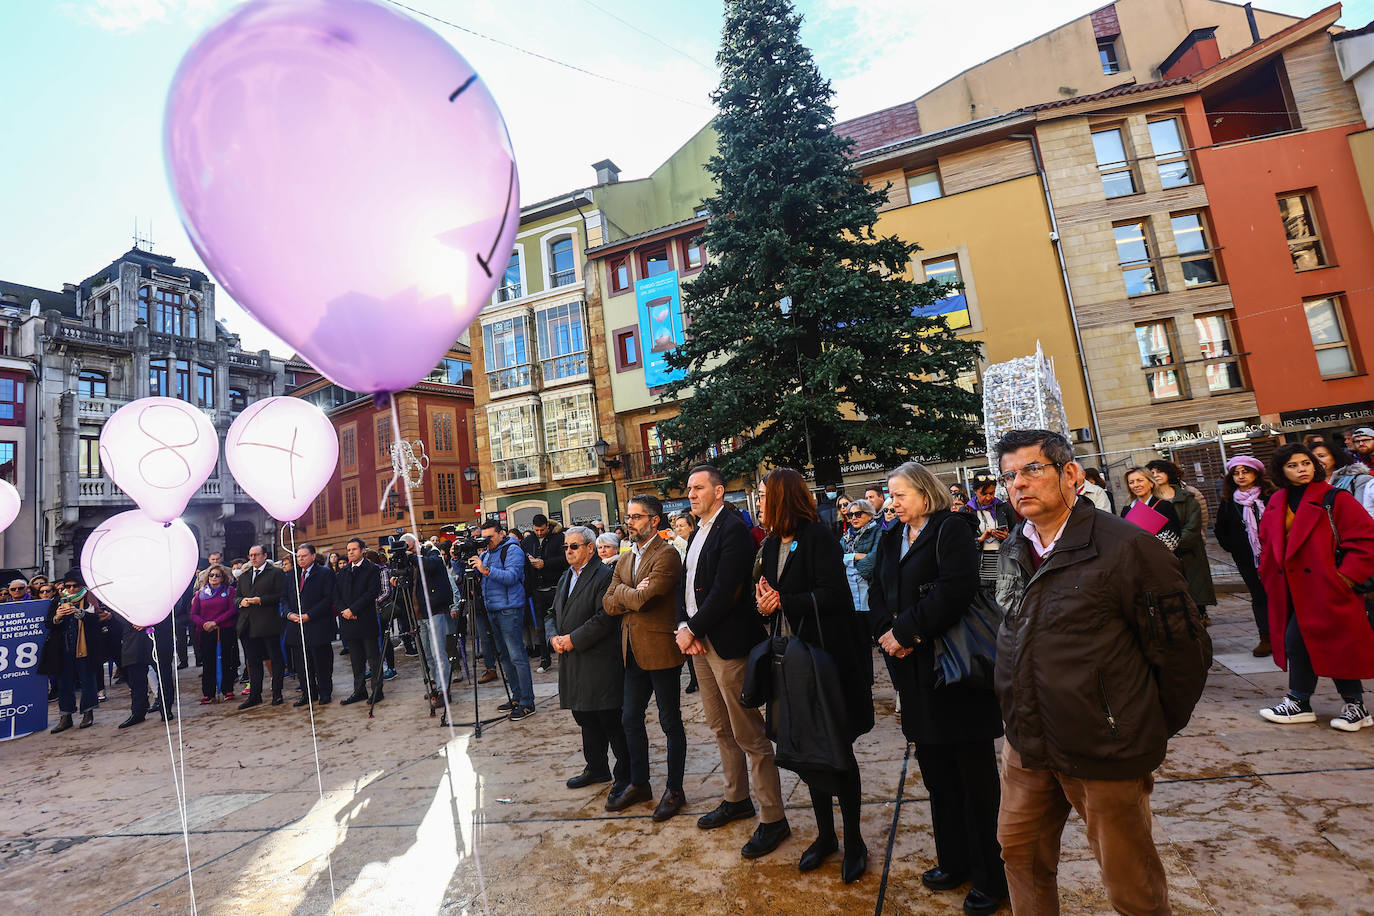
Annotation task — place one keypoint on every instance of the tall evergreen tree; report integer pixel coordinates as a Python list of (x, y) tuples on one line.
[(805, 337)]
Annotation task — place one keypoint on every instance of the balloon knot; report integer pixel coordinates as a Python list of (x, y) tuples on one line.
[(381, 399)]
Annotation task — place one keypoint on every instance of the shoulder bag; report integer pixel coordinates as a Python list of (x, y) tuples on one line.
[(966, 653)]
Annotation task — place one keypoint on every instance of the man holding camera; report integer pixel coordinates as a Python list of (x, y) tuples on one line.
[(502, 567), (544, 548), (433, 596)]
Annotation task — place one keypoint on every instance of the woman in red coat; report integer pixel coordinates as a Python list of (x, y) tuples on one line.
[(1324, 628)]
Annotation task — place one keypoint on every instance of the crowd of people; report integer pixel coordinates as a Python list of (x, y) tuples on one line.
[(1114, 605)]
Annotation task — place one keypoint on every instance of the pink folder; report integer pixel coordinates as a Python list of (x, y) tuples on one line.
[(1143, 516)]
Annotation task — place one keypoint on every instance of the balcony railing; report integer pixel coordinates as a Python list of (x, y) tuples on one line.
[(508, 292), (573, 462), (563, 277), (247, 360), (562, 368), (102, 491), (97, 410), (515, 471), (642, 465), (511, 379), (83, 334)]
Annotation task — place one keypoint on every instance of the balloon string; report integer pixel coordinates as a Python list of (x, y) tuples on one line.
[(309, 704), (178, 787)]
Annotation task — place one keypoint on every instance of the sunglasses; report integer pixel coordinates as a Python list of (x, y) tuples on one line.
[(889, 512), (856, 514), (574, 546)]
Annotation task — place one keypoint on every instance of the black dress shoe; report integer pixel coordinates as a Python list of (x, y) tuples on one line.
[(978, 903), (670, 804), (632, 795), (725, 813), (278, 700), (250, 703), (132, 720), (937, 879), (168, 717), (324, 701), (587, 778), (353, 698), (181, 666), (855, 862), (766, 839), (303, 701), (818, 852), (87, 719)]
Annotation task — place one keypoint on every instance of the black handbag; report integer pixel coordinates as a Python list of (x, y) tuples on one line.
[(966, 653), (758, 670), (807, 717)]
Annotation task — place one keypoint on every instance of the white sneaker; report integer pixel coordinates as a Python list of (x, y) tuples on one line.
[(1289, 711), (1352, 718)]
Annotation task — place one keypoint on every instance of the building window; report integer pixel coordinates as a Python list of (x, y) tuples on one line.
[(923, 186), (384, 438), (1106, 54), (145, 294), (654, 261), (446, 484), (351, 506), (514, 441), (11, 399), (1304, 237), (506, 344), (1194, 249), (441, 431), (1157, 359), (167, 312), (1222, 365), (174, 379), (690, 254), (1133, 254), (626, 349), (321, 511), (348, 449), (1326, 323), (562, 269), (620, 274), (452, 372), (9, 468), (510, 283), (238, 400), (954, 306), (1118, 179), (88, 456), (562, 344), (1171, 155), (92, 385), (205, 386), (392, 507), (569, 431)]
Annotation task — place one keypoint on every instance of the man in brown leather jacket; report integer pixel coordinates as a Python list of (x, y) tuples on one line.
[(1100, 659), (643, 593)]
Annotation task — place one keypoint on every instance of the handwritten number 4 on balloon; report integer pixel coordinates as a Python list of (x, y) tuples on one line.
[(510, 189)]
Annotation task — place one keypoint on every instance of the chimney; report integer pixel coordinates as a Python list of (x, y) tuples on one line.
[(1194, 54), (607, 172), (1254, 26)]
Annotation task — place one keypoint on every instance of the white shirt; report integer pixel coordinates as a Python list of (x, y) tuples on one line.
[(637, 552), (572, 577), (1033, 535), (693, 554)]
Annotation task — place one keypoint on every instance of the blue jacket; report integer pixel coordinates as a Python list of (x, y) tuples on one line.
[(504, 586)]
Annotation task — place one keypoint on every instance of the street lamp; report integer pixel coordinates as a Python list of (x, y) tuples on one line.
[(600, 447), (472, 477)]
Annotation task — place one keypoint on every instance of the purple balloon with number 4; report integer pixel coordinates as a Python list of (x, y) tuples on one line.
[(347, 178)]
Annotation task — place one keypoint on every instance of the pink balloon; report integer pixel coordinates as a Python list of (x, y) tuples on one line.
[(347, 178), (159, 451), (9, 504), (138, 566), (282, 451)]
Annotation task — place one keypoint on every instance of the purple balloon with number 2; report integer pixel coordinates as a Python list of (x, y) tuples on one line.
[(347, 178)]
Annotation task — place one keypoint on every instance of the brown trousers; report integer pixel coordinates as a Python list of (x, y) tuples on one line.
[(1116, 816), (739, 733)]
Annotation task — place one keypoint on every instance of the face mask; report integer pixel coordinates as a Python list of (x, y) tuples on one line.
[(829, 494)]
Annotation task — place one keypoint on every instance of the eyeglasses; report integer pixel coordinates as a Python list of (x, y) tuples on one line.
[(1033, 471), (215, 576), (889, 512), (856, 514), (636, 517), (574, 546), (16, 588)]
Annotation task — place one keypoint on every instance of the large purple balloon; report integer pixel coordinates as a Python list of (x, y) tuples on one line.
[(347, 178)]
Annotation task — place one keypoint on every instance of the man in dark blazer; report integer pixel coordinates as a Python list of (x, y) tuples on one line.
[(718, 623), (310, 608), (591, 674), (357, 586), (258, 596)]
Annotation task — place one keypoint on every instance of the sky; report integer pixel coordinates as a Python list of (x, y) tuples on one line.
[(86, 80)]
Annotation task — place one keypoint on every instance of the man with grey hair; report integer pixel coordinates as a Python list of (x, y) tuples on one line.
[(18, 591)]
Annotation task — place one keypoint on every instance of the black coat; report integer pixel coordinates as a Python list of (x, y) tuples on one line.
[(724, 588), (930, 715), (815, 568), (260, 620), (356, 589), (136, 645), (62, 638), (436, 579), (316, 601), (552, 553), (592, 675), (1230, 532)]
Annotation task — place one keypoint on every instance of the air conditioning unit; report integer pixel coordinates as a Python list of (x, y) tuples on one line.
[(1083, 434)]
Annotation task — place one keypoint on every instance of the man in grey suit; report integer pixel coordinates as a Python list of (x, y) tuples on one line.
[(258, 596), (591, 675)]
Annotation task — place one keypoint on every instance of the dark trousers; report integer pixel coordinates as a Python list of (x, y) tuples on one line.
[(76, 672), (136, 676), (258, 649), (601, 729), (316, 669), (665, 686), (363, 653), (965, 793), (542, 599), (227, 640), (164, 657), (1259, 600), (485, 638), (1302, 680), (384, 644), (183, 633)]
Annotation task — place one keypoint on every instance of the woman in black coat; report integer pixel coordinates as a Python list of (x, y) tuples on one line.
[(926, 577), (804, 577), (1244, 496)]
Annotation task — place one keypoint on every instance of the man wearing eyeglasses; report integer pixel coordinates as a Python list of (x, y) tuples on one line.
[(1120, 658), (1362, 445), (591, 674)]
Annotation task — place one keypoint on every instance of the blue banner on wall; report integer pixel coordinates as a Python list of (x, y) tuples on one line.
[(23, 692), (660, 326)]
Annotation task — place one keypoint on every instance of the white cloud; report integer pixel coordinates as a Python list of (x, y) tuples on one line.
[(125, 16)]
